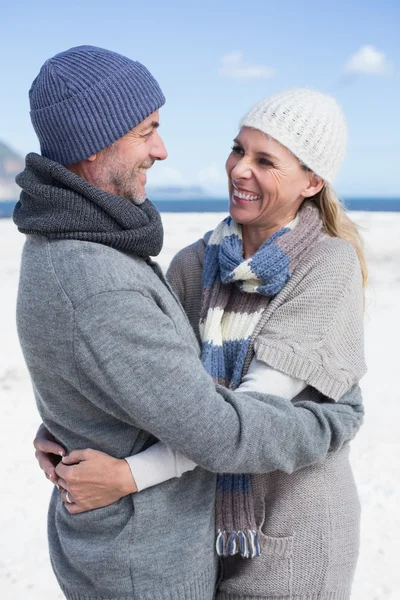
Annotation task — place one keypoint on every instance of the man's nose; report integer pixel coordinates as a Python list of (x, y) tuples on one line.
[(158, 151)]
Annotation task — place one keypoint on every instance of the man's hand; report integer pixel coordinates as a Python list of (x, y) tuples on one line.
[(92, 479), (48, 452)]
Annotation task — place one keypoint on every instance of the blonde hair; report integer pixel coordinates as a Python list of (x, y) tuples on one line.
[(337, 223)]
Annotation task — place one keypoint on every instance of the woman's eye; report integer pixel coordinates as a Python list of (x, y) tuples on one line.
[(264, 162), (237, 150)]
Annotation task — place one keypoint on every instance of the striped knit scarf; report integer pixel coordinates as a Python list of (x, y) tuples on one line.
[(235, 294)]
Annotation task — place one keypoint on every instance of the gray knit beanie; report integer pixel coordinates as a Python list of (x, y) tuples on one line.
[(309, 123), (86, 98)]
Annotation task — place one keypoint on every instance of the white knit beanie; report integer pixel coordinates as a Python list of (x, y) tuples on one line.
[(310, 124)]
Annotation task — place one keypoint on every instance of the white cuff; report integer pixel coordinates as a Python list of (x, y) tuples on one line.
[(157, 464)]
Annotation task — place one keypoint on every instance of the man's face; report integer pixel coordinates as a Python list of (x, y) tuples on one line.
[(121, 168)]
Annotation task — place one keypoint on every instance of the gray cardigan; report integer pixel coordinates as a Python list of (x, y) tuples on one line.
[(115, 365), (308, 521)]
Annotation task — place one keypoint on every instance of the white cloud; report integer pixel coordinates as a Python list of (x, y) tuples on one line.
[(212, 175), (368, 61), (235, 67)]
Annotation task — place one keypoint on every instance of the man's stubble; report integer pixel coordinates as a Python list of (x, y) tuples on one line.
[(117, 177)]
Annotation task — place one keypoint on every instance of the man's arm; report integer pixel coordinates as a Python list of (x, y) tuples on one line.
[(102, 479), (160, 463), (135, 365)]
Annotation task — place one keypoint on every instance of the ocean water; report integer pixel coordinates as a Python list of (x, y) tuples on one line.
[(206, 205), (221, 205)]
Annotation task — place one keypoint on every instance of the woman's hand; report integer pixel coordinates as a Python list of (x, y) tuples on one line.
[(48, 452), (92, 479)]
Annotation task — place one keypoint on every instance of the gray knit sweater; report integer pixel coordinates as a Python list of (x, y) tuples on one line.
[(308, 520)]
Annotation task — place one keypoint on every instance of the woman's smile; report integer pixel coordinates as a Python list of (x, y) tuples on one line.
[(242, 196)]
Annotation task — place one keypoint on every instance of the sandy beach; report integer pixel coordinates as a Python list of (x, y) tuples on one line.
[(25, 572)]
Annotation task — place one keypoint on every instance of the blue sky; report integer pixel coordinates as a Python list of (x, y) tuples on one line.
[(214, 60)]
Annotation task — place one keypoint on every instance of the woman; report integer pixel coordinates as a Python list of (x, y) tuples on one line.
[(274, 293)]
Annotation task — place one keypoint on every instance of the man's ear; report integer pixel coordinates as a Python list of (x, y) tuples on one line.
[(315, 185), (80, 168)]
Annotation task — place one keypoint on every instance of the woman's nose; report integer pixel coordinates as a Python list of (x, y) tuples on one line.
[(241, 170)]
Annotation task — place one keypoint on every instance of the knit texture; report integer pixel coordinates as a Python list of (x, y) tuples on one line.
[(308, 521), (310, 124), (309, 536), (230, 313), (59, 204), (340, 594), (229, 316), (86, 98)]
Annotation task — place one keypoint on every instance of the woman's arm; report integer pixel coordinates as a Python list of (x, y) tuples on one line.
[(158, 464)]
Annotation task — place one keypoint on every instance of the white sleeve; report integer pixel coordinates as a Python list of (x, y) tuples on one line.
[(160, 463), (264, 379)]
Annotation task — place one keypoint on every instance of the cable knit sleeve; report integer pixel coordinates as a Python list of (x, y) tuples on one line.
[(313, 329)]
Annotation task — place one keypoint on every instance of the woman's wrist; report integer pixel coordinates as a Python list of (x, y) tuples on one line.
[(125, 480)]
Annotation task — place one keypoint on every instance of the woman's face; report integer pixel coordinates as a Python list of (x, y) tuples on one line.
[(266, 181)]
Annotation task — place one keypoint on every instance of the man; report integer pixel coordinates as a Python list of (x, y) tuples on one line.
[(113, 361)]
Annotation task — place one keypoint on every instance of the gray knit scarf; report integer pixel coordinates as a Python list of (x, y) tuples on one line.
[(235, 294), (60, 205)]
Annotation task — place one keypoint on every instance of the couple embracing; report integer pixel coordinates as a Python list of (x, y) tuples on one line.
[(203, 417)]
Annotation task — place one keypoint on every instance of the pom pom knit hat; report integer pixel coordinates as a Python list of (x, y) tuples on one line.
[(86, 98), (310, 124)]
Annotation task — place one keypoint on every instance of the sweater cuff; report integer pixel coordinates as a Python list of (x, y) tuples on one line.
[(156, 465), (302, 368)]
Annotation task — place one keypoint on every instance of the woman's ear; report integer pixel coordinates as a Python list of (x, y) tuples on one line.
[(315, 185)]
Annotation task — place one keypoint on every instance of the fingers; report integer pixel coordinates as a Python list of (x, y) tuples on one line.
[(42, 432), (51, 476), (74, 509), (48, 453), (66, 497), (46, 464), (77, 456), (43, 445), (46, 442), (61, 483), (69, 503), (66, 472)]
